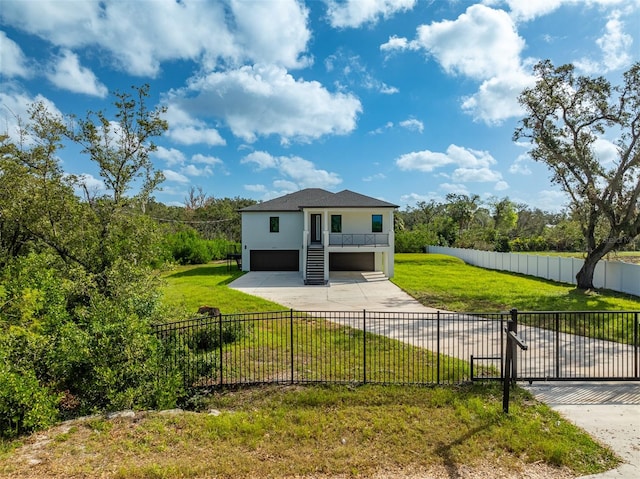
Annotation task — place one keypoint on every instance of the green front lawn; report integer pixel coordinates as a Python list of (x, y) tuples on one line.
[(445, 282)]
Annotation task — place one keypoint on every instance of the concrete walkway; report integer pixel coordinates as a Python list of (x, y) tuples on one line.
[(609, 412)]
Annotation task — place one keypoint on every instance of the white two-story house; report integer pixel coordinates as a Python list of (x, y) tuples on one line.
[(315, 231)]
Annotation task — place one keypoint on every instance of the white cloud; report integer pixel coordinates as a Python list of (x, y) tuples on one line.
[(397, 43), (481, 43), (273, 32), (387, 90), (171, 175), (265, 100), (413, 125), (14, 107), (170, 155), (207, 160), (256, 188), (381, 129), (186, 130), (614, 46), (615, 43), (285, 186), (455, 188), (377, 176), (67, 73), (550, 200), (501, 186), (295, 170), (355, 74), (497, 98), (521, 165), (469, 158), (425, 161), (12, 59), (137, 38), (478, 175), (606, 152), (91, 182), (525, 10), (192, 170), (472, 165), (354, 13), (192, 135), (262, 159), (412, 199)]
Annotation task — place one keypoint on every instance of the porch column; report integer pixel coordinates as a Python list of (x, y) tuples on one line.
[(325, 243)]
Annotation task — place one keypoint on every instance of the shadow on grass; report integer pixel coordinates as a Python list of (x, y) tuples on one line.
[(448, 457), (210, 270)]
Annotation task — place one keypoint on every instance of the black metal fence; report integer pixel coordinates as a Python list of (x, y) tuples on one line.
[(398, 348), (568, 346)]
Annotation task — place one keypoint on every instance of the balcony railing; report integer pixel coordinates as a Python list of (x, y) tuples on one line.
[(359, 239)]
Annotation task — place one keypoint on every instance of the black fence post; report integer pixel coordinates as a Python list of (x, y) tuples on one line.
[(510, 367), (514, 356), (557, 345), (506, 384), (636, 345), (220, 350), (291, 338), (364, 346), (438, 347)]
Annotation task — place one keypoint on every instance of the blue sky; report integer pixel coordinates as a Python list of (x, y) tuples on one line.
[(402, 100)]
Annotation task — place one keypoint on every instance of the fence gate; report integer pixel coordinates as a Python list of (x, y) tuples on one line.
[(569, 346)]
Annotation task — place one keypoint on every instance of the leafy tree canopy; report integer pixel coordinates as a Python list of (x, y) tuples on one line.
[(567, 115)]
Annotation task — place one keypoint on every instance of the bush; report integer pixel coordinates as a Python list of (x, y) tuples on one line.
[(25, 405), (502, 245), (414, 241), (188, 247), (124, 363), (96, 349)]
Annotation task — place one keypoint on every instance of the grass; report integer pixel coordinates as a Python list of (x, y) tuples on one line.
[(341, 431), (320, 431), (445, 282), (189, 287)]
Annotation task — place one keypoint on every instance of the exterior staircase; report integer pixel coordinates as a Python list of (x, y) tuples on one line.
[(315, 265)]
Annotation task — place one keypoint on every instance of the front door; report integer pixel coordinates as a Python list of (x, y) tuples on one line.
[(316, 228)]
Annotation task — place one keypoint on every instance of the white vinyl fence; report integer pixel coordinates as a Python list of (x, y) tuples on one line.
[(614, 275)]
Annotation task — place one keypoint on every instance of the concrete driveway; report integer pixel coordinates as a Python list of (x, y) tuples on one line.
[(346, 291), (609, 412)]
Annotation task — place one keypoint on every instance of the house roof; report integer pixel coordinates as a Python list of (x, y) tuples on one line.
[(318, 198)]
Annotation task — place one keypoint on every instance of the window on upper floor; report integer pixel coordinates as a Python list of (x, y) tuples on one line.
[(376, 223), (274, 224), (336, 223)]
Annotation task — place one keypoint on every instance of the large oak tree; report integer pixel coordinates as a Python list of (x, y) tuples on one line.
[(567, 115)]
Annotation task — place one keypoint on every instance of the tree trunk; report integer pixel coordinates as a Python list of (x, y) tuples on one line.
[(584, 278)]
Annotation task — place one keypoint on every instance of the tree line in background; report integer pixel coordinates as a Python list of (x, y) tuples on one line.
[(464, 221), (79, 281)]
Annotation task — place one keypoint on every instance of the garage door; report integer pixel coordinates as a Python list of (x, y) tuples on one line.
[(351, 262), (274, 260)]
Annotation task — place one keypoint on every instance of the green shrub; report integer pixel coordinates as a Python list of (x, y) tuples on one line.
[(96, 349), (25, 405), (414, 241), (219, 248), (187, 247), (501, 244)]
